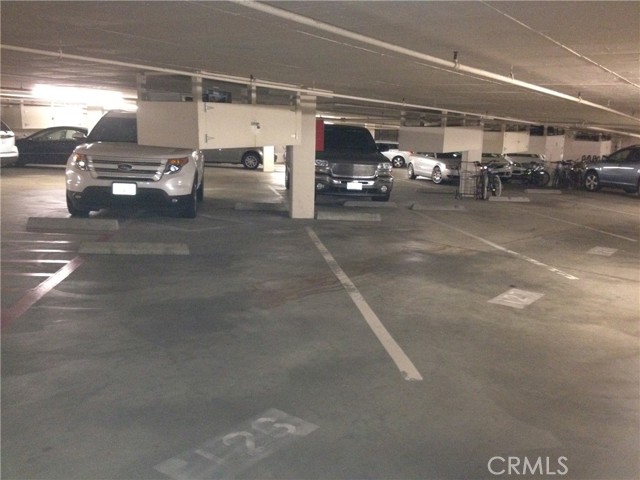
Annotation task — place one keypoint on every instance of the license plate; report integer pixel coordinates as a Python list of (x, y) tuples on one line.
[(354, 186), (124, 188)]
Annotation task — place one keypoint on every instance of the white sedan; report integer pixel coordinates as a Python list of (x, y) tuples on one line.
[(439, 167)]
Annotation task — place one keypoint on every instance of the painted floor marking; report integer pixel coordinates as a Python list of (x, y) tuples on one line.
[(35, 294), (604, 251), (503, 249), (225, 456), (584, 226), (137, 248), (516, 298), (404, 364)]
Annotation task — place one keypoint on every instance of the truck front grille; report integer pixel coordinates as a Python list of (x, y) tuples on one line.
[(353, 170)]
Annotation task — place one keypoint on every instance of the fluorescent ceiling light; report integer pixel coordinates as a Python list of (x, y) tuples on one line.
[(86, 96)]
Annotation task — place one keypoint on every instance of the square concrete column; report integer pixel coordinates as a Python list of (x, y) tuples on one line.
[(301, 163), (268, 159)]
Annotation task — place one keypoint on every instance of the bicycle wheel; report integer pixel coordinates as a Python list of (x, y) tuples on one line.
[(485, 186), (544, 179), (496, 186)]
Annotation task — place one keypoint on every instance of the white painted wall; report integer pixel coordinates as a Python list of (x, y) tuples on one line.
[(575, 149)]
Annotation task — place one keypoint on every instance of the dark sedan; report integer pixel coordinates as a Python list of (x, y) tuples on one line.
[(50, 146)]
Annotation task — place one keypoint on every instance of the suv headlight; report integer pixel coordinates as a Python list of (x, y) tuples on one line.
[(174, 165), (80, 161)]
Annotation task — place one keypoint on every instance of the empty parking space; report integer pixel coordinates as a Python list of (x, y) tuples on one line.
[(281, 348)]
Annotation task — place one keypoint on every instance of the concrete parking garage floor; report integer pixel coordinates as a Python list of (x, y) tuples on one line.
[(428, 338)]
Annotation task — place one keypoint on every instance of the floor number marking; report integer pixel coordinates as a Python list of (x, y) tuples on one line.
[(225, 456)]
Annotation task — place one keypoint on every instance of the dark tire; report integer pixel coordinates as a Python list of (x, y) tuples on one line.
[(410, 172), (436, 175), (544, 178), (75, 211), (591, 182), (251, 160), (189, 209), (496, 186), (397, 162), (200, 192), (485, 186)]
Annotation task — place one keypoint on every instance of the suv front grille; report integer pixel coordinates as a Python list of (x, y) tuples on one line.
[(122, 169), (353, 170)]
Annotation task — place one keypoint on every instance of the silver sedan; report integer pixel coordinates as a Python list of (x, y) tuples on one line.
[(439, 167)]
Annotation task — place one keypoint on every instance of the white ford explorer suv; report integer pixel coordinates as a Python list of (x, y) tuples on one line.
[(111, 169)]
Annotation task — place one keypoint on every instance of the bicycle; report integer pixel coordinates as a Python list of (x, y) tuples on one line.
[(488, 183), (536, 175), (568, 174)]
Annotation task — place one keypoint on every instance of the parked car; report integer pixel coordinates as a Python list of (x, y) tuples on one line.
[(499, 164), (248, 157), (439, 167), (399, 158), (8, 149), (526, 159), (111, 169), (350, 164), (50, 146), (621, 169)]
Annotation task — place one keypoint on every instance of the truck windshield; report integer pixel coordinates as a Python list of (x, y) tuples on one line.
[(115, 129), (342, 138)]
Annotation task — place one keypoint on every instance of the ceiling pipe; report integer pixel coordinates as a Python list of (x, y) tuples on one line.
[(285, 87), (449, 65)]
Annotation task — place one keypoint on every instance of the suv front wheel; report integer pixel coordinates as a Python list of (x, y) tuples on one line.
[(189, 209), (75, 211)]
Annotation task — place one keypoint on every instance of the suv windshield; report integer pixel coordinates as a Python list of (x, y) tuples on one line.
[(115, 129), (345, 138)]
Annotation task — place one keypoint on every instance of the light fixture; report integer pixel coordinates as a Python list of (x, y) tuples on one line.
[(107, 99)]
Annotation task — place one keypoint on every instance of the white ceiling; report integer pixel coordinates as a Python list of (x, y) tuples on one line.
[(569, 64)]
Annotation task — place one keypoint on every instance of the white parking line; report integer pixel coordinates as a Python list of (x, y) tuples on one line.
[(404, 364), (584, 226), (501, 248)]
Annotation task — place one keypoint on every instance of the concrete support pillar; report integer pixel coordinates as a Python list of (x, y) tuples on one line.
[(301, 163), (268, 159)]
